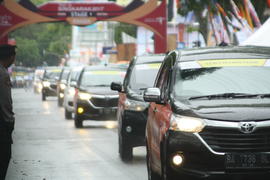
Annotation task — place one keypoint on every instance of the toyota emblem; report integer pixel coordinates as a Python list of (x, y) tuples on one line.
[(247, 127)]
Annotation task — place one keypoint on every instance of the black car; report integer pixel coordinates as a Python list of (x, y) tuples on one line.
[(62, 84), (94, 100), (132, 110), (209, 115), (49, 82)]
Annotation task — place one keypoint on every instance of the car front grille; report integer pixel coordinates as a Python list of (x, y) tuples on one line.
[(104, 102), (233, 140)]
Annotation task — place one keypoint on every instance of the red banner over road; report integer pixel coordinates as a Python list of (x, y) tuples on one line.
[(150, 15)]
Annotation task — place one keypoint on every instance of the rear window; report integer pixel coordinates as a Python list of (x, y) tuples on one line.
[(143, 76)]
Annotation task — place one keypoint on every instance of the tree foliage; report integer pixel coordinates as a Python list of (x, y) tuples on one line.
[(28, 53), (126, 28), (44, 42)]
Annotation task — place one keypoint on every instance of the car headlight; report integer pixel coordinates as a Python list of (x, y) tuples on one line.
[(62, 86), (46, 84), (186, 124), (135, 105), (84, 96)]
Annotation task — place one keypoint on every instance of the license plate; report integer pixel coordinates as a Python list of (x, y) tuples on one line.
[(247, 160)]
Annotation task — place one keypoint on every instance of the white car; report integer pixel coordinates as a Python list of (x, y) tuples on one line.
[(70, 92), (37, 85)]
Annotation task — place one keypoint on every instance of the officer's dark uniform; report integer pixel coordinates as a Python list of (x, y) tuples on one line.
[(6, 114)]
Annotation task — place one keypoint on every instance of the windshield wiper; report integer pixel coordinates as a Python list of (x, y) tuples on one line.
[(262, 95), (143, 88), (99, 85), (228, 95)]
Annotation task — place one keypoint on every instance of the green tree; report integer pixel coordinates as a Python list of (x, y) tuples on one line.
[(51, 39), (126, 28), (28, 53)]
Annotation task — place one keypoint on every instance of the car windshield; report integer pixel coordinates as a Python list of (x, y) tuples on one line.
[(143, 76), (65, 75), (51, 74), (226, 80), (101, 78)]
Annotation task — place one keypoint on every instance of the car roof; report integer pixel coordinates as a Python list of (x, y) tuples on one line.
[(66, 68), (104, 68), (77, 68), (227, 52), (149, 58), (52, 67)]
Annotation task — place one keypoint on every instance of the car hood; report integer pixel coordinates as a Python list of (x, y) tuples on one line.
[(100, 90), (227, 110)]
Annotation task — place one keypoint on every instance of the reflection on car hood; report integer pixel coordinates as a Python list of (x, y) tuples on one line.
[(230, 110), (100, 91)]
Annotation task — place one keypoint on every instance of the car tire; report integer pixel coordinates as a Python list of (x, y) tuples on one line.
[(151, 174), (68, 115), (125, 150), (78, 122), (43, 97)]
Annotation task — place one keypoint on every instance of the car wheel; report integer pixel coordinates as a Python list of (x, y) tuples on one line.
[(151, 174), (78, 122), (68, 115), (125, 150), (43, 97)]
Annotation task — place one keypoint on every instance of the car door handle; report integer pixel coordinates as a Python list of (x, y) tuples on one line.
[(155, 110)]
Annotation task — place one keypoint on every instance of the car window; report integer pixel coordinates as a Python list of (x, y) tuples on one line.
[(143, 76), (162, 81)]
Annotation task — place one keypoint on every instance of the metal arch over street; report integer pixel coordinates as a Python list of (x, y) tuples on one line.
[(151, 15)]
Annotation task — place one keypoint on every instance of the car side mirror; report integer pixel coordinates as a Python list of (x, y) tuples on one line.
[(73, 84), (116, 86), (152, 95)]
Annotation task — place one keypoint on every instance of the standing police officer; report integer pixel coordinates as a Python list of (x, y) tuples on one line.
[(7, 58)]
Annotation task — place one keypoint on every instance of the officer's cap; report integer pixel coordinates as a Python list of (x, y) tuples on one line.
[(7, 50)]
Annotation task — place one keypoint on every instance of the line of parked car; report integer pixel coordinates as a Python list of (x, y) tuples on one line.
[(201, 113)]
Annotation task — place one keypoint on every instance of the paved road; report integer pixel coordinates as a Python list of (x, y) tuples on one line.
[(48, 147)]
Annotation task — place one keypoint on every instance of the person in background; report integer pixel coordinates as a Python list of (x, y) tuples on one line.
[(7, 58)]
